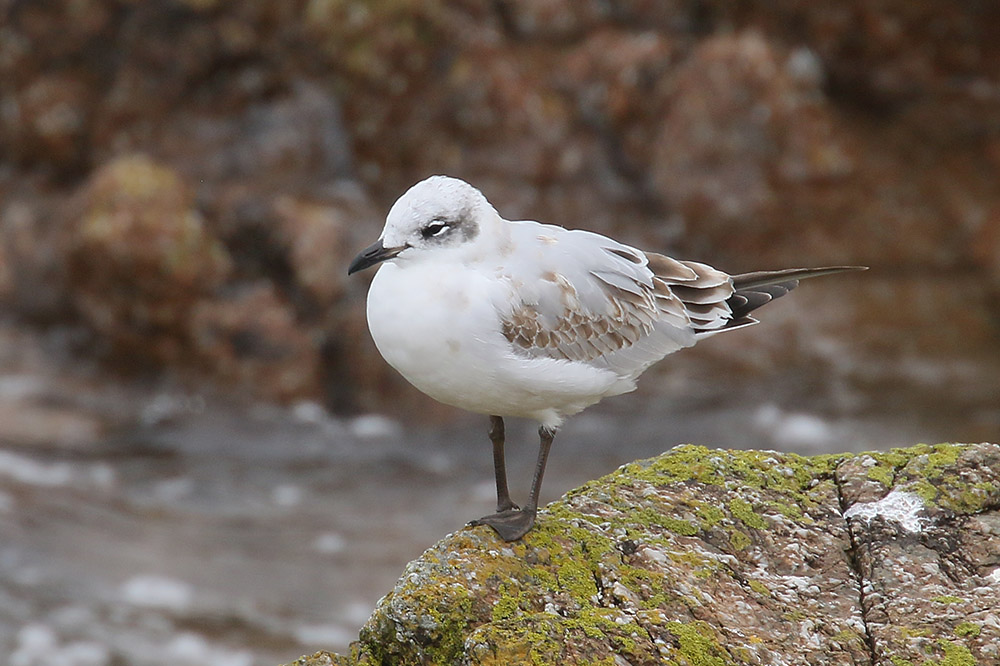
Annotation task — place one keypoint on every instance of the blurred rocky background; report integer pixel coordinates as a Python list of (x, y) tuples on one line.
[(182, 185)]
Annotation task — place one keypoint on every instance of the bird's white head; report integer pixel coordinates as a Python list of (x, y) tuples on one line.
[(439, 213)]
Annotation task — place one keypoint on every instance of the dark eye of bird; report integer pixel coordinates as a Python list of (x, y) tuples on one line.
[(433, 229)]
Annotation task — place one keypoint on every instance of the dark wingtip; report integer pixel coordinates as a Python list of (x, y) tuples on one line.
[(763, 278), (759, 288)]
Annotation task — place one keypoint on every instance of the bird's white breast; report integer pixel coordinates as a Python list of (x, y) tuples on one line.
[(439, 326), (425, 320)]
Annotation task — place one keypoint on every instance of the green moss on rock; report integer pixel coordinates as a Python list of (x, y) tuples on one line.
[(698, 557), (882, 474), (697, 645), (709, 515), (947, 599), (955, 654), (742, 509), (963, 629), (324, 658), (759, 587)]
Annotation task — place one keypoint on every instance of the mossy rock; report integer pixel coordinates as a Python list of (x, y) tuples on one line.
[(703, 557)]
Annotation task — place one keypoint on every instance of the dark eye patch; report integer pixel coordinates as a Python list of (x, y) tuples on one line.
[(435, 228)]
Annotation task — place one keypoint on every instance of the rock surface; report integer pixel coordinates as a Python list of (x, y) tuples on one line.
[(703, 557)]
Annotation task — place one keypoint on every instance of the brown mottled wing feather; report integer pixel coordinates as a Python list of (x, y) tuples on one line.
[(579, 296), (703, 297), (601, 302)]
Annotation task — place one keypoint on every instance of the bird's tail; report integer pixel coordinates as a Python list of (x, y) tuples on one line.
[(761, 287)]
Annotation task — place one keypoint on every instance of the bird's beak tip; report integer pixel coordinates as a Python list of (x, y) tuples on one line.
[(373, 254)]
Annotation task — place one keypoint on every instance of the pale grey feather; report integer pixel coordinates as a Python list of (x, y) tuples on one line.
[(584, 297)]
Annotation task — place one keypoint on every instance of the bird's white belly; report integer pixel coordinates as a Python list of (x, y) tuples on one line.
[(439, 327)]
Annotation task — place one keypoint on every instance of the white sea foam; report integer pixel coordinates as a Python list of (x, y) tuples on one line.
[(38, 645), (25, 470), (190, 649), (152, 591), (374, 426)]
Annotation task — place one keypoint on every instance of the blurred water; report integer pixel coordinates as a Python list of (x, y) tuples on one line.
[(216, 532)]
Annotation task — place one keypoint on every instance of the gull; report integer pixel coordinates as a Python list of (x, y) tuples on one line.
[(530, 320)]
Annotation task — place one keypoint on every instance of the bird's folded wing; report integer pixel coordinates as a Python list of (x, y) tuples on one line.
[(580, 296)]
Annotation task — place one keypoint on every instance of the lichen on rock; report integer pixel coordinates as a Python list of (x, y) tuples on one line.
[(704, 557)]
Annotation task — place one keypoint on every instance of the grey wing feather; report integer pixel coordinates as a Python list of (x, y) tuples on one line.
[(584, 297), (595, 300)]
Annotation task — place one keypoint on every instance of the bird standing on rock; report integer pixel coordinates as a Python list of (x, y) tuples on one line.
[(532, 320)]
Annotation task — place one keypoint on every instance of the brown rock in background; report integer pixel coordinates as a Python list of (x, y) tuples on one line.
[(50, 122), (6, 276), (149, 276), (141, 258), (316, 239), (985, 246), (252, 339), (749, 135), (745, 121)]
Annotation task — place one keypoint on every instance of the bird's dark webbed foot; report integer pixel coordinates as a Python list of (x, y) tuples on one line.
[(508, 506), (511, 524)]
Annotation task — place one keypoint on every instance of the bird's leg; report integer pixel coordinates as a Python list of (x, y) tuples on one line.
[(545, 436), (513, 524), (504, 502)]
